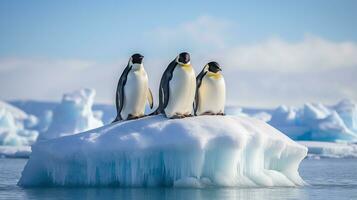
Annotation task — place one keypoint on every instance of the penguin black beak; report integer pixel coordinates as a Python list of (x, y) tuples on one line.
[(184, 57), (137, 58)]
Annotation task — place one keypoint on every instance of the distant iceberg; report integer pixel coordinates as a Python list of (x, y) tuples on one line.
[(154, 151), (15, 151), (257, 114), (43, 110), (319, 150), (45, 120), (317, 122), (347, 110), (15, 126), (73, 115)]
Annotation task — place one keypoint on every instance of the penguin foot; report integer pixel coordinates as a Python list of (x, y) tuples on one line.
[(188, 115), (177, 116), (132, 117), (208, 113), (221, 113), (156, 112), (116, 119)]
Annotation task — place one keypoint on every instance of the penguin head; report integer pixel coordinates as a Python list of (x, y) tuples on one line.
[(137, 58), (136, 61), (183, 59), (214, 67)]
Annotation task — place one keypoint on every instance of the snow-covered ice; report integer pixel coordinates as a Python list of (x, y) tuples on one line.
[(73, 115), (155, 151)]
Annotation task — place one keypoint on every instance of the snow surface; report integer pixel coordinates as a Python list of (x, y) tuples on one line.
[(73, 115), (15, 126), (155, 151)]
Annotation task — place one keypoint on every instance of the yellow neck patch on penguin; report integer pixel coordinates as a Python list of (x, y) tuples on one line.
[(186, 66), (214, 75)]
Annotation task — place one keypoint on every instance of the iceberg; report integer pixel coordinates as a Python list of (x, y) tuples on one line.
[(317, 122), (15, 126), (45, 120), (43, 110), (347, 110), (319, 150), (15, 151), (73, 115), (204, 151)]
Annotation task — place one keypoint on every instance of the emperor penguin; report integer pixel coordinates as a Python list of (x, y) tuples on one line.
[(177, 88), (210, 91), (133, 90)]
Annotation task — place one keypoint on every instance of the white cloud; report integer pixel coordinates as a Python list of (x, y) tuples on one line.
[(266, 88), (44, 78), (211, 38), (311, 53)]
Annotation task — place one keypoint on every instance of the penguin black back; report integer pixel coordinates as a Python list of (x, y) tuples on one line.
[(164, 90), (119, 95)]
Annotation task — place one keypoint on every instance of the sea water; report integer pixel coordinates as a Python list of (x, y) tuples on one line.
[(328, 179)]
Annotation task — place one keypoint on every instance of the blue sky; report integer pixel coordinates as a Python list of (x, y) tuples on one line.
[(276, 52)]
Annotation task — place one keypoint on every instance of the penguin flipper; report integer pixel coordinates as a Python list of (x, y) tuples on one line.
[(164, 88), (120, 92), (198, 85), (150, 98)]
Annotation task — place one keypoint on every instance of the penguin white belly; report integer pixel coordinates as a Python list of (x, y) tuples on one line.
[(212, 94), (182, 92), (135, 94)]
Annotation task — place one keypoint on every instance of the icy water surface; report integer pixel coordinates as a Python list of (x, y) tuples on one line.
[(328, 179)]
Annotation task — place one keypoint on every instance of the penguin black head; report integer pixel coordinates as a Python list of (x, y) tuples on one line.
[(137, 58), (214, 67), (184, 58)]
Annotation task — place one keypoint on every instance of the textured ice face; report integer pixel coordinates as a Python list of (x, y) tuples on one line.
[(73, 115), (154, 151)]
